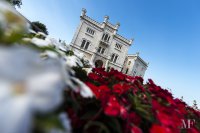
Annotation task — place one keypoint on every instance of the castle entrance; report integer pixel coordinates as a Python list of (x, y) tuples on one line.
[(98, 63)]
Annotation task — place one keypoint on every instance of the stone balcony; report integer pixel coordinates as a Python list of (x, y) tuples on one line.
[(105, 43)]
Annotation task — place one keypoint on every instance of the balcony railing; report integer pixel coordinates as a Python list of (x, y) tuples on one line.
[(106, 43)]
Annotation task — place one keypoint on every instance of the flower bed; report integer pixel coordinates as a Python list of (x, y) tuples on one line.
[(124, 104), (44, 89)]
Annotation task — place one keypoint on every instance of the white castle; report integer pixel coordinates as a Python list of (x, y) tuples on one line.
[(101, 44)]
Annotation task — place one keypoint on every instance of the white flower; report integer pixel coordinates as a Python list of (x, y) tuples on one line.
[(73, 61), (88, 70), (65, 122), (50, 54), (15, 112), (52, 41), (41, 33), (40, 42), (83, 89), (28, 84), (32, 31), (48, 41), (78, 54)]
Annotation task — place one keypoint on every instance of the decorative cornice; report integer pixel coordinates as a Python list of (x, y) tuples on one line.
[(92, 21), (123, 39), (111, 25)]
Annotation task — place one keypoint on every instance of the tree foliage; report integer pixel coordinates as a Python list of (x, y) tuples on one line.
[(195, 106), (15, 2), (39, 27)]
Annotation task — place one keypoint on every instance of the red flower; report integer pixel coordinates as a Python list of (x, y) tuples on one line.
[(103, 91), (173, 121), (113, 107), (123, 112), (136, 129), (134, 118), (118, 88), (93, 76), (193, 130), (93, 88), (164, 119), (100, 91), (114, 90), (159, 129), (118, 75)]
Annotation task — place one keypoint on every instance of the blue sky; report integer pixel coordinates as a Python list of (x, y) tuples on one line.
[(166, 33)]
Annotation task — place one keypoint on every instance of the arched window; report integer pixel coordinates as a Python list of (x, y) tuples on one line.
[(99, 50), (108, 69), (90, 31), (118, 46), (106, 37), (85, 44), (114, 58), (129, 62), (103, 50)]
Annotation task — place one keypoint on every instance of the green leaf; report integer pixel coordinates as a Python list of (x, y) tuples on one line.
[(114, 124), (46, 123), (89, 114), (102, 127)]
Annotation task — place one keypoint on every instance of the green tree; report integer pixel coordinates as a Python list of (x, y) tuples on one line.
[(39, 27), (15, 2), (195, 105)]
